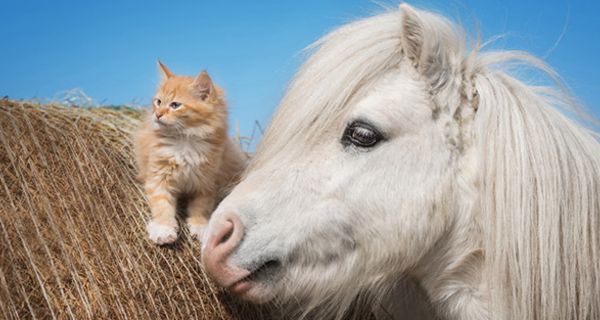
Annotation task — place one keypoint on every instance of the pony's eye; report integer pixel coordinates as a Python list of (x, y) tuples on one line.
[(157, 102), (175, 105), (361, 135)]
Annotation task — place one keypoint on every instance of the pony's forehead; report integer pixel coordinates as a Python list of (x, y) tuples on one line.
[(399, 101)]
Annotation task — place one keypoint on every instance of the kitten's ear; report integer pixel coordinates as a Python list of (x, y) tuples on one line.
[(203, 86), (166, 73)]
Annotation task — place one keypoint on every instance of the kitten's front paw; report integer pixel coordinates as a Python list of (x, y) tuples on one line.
[(197, 230), (161, 233)]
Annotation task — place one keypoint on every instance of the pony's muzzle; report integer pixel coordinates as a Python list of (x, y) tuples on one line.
[(224, 236)]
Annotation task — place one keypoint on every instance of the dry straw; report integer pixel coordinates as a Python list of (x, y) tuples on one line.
[(72, 226)]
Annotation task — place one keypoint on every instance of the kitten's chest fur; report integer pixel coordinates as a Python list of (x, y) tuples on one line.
[(189, 164)]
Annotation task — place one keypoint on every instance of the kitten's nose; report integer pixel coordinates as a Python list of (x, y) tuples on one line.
[(159, 115)]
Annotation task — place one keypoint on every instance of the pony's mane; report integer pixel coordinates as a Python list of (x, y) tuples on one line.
[(540, 203), (540, 170)]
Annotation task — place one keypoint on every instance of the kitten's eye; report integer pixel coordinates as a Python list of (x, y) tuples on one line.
[(157, 102), (175, 105), (361, 135)]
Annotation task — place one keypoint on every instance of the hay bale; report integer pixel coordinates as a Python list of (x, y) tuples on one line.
[(72, 225)]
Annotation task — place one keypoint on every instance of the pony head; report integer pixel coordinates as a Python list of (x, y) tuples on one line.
[(377, 170)]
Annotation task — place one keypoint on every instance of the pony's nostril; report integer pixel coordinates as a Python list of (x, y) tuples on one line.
[(221, 241), (226, 236), (228, 233)]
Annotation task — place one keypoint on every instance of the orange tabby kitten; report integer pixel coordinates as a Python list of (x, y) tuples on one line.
[(182, 149)]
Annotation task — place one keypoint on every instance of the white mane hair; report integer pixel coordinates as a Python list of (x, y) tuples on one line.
[(538, 171)]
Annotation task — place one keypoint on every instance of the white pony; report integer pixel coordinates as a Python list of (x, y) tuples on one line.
[(399, 159)]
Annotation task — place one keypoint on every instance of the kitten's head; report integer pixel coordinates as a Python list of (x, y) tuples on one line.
[(182, 103)]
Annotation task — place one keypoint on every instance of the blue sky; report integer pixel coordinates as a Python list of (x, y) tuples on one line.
[(251, 48)]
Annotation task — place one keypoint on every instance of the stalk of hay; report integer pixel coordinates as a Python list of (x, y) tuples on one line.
[(72, 226)]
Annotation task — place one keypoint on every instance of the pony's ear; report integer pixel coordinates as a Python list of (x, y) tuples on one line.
[(203, 86), (166, 73), (412, 34), (426, 42)]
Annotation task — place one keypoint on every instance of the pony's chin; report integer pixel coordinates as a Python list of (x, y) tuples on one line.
[(253, 291)]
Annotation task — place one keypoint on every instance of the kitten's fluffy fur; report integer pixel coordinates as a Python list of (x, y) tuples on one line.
[(182, 150)]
